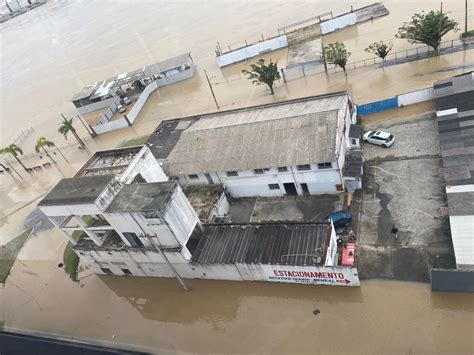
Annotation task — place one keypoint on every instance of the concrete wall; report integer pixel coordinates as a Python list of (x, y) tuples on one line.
[(110, 126), (95, 106), (338, 23), (415, 97), (250, 184), (150, 263), (138, 105), (180, 216), (111, 111), (145, 164), (253, 50), (176, 77)]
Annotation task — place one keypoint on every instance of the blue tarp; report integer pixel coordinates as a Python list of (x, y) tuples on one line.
[(377, 106)]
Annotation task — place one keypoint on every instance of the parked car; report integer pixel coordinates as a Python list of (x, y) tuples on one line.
[(379, 138), (340, 218), (126, 100), (121, 108)]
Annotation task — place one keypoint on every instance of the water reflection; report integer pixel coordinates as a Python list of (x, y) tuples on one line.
[(164, 300)]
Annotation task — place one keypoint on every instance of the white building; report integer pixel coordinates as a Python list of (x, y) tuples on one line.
[(124, 217), (294, 147)]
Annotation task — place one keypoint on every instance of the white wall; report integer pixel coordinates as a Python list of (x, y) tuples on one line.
[(138, 105), (95, 106), (338, 23), (180, 216), (250, 184), (145, 164), (110, 126), (253, 50), (151, 263), (415, 97)]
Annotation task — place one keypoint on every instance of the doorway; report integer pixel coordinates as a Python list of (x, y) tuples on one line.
[(304, 187), (209, 179), (290, 189)]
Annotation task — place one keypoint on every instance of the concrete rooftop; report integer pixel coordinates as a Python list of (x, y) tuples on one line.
[(142, 197), (76, 190)]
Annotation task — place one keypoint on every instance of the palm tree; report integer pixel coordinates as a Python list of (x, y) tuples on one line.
[(65, 127), (41, 143), (14, 150)]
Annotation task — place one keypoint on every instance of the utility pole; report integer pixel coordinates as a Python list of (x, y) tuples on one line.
[(465, 17), (212, 91)]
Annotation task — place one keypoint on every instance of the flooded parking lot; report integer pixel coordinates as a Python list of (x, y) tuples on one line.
[(215, 317)]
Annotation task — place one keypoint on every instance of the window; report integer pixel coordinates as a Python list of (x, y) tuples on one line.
[(193, 176), (133, 240), (258, 171), (274, 186), (106, 270), (303, 167), (232, 173), (354, 141), (282, 169), (126, 271), (324, 166)]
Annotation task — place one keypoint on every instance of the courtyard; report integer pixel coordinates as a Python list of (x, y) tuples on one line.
[(403, 188)]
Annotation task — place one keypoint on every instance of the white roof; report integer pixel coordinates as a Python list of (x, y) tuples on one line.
[(461, 219)]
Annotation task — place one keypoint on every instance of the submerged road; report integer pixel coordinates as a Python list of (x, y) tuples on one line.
[(11, 343)]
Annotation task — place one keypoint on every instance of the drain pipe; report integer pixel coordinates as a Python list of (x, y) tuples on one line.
[(158, 247)]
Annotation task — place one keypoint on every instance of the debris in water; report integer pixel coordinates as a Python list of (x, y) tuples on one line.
[(316, 312), (60, 265)]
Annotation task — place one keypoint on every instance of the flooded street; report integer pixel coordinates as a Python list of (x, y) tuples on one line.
[(379, 317), (50, 53)]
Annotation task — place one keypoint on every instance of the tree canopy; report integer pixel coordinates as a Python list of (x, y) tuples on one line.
[(380, 49), (263, 74), (14, 150), (337, 54), (427, 28), (41, 143)]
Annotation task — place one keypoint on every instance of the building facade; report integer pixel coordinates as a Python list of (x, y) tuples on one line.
[(124, 217), (296, 147)]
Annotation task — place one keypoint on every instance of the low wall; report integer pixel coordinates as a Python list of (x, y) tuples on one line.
[(415, 97), (338, 23), (377, 106), (110, 126), (185, 74), (95, 106), (111, 111), (133, 114), (252, 50), (401, 100)]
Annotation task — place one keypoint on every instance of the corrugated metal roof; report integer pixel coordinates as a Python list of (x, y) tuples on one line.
[(272, 243), (257, 141), (455, 102)]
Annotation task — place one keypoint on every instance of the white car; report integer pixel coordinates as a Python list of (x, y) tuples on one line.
[(379, 138)]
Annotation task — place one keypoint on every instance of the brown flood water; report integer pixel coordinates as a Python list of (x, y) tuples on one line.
[(50, 53)]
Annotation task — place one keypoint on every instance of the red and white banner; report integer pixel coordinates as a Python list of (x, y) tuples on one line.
[(317, 275)]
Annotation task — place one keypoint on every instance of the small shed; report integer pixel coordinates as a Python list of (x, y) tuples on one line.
[(354, 136)]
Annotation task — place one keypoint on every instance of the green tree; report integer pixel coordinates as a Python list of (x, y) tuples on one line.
[(380, 49), (260, 73), (14, 150), (427, 28), (337, 54), (41, 143), (65, 127)]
